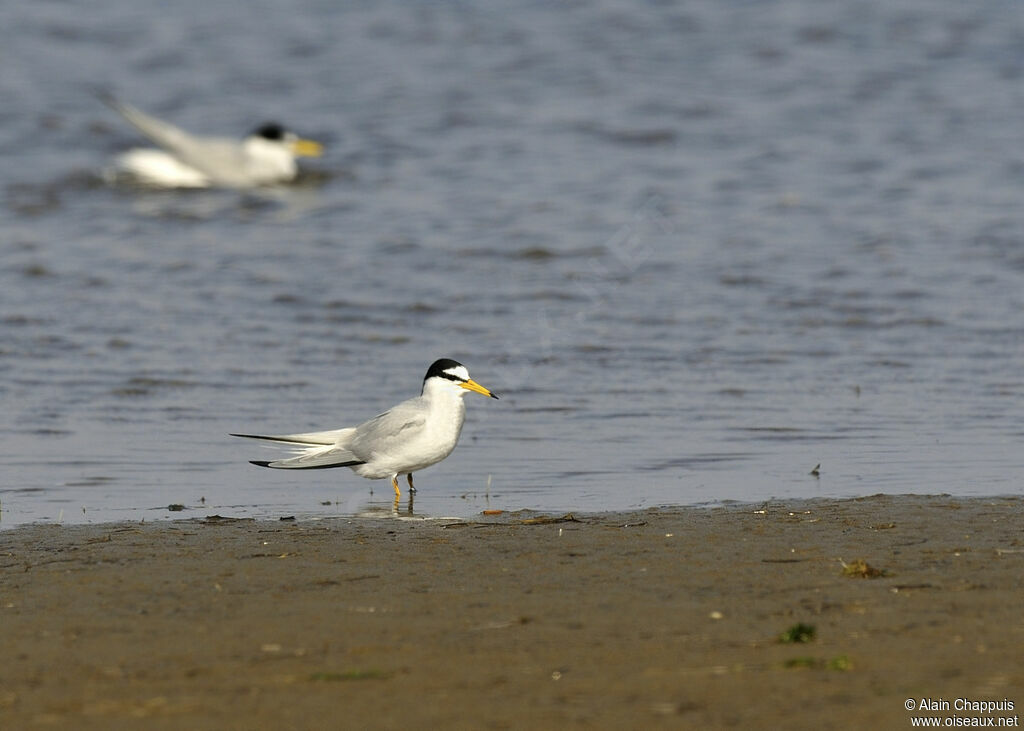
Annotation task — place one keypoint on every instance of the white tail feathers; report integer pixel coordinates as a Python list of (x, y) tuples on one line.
[(334, 437), (317, 450)]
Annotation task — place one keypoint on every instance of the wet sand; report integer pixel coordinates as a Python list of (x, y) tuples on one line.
[(665, 618)]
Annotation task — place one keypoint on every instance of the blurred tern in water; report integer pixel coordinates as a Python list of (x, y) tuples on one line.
[(265, 157), (411, 436)]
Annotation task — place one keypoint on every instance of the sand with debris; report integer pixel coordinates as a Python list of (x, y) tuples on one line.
[(799, 614)]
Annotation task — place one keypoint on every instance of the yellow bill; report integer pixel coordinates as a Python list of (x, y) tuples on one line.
[(307, 148), (471, 385)]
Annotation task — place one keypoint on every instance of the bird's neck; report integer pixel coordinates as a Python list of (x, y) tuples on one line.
[(445, 406)]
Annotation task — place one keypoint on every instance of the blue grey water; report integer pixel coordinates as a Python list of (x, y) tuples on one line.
[(699, 248)]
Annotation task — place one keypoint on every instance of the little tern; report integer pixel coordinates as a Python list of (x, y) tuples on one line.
[(405, 439), (265, 157)]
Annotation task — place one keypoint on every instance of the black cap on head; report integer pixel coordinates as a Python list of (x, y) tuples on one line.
[(270, 131), (438, 368)]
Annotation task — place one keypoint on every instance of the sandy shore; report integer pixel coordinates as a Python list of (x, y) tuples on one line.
[(665, 618)]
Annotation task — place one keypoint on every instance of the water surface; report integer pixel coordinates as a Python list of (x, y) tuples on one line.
[(698, 248)]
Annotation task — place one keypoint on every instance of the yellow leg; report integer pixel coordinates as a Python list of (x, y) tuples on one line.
[(412, 487), (394, 482)]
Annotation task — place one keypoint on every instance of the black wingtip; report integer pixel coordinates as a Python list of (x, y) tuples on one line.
[(494, 396), (259, 463)]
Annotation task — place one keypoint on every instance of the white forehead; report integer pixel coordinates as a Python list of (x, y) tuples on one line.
[(459, 372)]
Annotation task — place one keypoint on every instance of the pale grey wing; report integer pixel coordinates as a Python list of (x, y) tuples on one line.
[(314, 458), (162, 133), (388, 432), (221, 159)]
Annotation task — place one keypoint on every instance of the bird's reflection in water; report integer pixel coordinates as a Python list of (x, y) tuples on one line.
[(396, 509), (393, 509)]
